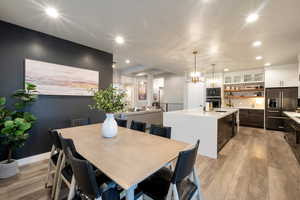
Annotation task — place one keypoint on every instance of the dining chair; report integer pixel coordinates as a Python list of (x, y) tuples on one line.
[(122, 122), (176, 183), (80, 122), (88, 184), (65, 172), (138, 126), (160, 131), (54, 161)]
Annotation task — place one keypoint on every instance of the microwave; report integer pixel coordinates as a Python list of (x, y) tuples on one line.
[(213, 92)]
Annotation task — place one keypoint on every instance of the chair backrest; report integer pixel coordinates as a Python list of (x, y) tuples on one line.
[(138, 126), (160, 131), (80, 122), (185, 164), (67, 143), (55, 139), (122, 122), (85, 176), (86, 180)]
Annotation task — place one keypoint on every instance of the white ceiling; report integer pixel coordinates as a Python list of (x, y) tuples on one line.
[(163, 33)]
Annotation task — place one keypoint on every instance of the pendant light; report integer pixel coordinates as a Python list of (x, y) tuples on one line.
[(213, 73), (195, 74)]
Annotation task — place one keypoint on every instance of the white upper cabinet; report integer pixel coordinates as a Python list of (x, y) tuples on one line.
[(281, 76), (253, 76)]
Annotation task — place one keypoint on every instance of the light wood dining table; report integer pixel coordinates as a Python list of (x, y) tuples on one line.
[(128, 158)]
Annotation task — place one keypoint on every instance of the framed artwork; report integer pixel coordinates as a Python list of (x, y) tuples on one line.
[(142, 90), (55, 79)]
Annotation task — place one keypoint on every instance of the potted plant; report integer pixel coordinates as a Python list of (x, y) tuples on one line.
[(14, 126), (110, 100)]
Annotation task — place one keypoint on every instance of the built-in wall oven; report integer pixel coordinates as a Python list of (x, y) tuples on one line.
[(213, 95)]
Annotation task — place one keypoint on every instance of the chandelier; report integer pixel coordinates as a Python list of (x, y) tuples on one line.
[(195, 75)]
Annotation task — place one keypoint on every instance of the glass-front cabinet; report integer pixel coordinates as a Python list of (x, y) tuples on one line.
[(254, 76)]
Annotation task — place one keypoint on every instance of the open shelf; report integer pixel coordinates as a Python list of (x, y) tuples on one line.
[(243, 97), (245, 90)]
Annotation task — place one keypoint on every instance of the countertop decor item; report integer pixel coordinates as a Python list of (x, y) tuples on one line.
[(111, 101), (14, 126)]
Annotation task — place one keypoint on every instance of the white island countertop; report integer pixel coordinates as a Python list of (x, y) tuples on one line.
[(216, 113), (195, 124), (293, 115)]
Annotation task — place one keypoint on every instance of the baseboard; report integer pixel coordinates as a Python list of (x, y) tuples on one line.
[(33, 159)]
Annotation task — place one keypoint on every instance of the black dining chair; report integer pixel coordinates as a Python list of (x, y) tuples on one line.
[(54, 160), (160, 131), (165, 182), (80, 122), (138, 126), (88, 184), (65, 173), (122, 122)]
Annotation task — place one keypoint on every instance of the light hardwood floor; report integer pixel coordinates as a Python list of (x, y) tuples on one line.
[(254, 165)]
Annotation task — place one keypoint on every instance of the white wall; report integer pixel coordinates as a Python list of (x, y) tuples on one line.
[(173, 89)]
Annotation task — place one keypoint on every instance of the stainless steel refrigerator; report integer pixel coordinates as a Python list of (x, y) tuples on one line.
[(277, 101)]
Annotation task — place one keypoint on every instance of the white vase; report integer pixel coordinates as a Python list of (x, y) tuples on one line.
[(110, 126)]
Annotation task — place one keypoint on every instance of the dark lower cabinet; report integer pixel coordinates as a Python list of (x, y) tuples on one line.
[(252, 117), (227, 128)]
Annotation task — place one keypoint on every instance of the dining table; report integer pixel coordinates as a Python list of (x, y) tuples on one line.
[(129, 157)]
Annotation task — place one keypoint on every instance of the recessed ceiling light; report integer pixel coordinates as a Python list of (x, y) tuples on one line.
[(259, 57), (127, 61), (52, 12), (252, 18), (214, 49), (267, 64), (256, 43), (226, 70), (119, 40)]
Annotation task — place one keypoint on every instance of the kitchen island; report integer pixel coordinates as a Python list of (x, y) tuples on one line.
[(214, 129)]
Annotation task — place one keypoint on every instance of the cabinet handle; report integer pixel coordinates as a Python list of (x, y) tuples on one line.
[(275, 111)]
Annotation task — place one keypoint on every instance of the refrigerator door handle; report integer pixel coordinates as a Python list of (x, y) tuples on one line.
[(282, 100)]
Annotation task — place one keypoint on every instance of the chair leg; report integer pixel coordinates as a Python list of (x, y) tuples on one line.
[(49, 167), (72, 189), (59, 179), (197, 182), (175, 192), (56, 173)]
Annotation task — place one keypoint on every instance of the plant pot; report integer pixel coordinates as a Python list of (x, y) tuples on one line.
[(110, 126), (8, 169)]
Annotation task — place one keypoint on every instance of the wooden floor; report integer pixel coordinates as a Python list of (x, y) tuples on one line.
[(254, 165)]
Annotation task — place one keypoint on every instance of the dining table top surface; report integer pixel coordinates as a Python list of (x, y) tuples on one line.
[(127, 158)]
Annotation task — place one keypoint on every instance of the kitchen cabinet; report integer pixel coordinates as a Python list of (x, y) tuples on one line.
[(281, 76), (253, 76), (252, 117), (226, 130)]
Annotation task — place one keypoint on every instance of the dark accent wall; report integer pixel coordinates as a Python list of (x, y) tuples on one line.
[(16, 44)]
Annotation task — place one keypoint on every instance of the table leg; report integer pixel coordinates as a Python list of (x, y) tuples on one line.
[(130, 193)]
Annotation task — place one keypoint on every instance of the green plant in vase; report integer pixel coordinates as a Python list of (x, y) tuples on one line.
[(14, 126), (109, 100)]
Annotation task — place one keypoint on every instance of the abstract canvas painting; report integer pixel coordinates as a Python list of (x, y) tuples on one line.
[(55, 79), (142, 91)]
